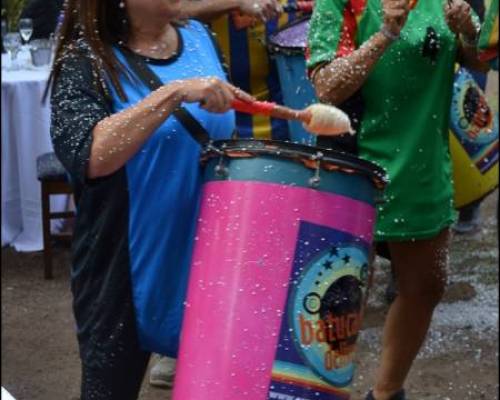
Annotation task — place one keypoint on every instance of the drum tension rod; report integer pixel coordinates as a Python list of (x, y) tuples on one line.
[(316, 180), (220, 169)]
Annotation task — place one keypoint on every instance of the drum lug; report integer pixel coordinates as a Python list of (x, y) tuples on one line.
[(315, 181), (211, 147), (220, 169)]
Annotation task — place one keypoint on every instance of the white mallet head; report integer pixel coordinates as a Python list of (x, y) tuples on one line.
[(327, 121)]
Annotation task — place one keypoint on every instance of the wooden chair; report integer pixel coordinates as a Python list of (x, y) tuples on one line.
[(54, 181)]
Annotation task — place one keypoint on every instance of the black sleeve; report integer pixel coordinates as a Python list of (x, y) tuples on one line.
[(77, 104)]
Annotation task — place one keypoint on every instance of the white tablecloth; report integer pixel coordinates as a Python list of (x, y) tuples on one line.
[(6, 395), (25, 136)]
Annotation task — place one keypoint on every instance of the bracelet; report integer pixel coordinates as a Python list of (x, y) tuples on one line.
[(388, 34), (468, 43)]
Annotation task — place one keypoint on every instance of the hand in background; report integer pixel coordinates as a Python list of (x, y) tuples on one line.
[(459, 19), (263, 10), (395, 15)]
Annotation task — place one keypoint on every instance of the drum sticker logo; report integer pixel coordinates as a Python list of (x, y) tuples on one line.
[(474, 123), (315, 353)]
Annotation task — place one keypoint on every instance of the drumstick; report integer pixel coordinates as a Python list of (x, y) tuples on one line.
[(319, 119), (303, 6), (242, 21)]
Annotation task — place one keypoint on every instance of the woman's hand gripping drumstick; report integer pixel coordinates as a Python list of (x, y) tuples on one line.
[(318, 119), (217, 96)]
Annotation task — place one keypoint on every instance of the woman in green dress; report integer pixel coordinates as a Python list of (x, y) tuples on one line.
[(398, 56)]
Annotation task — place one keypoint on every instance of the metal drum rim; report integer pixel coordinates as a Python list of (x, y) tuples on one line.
[(346, 162)]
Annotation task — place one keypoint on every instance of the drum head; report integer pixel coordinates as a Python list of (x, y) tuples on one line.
[(291, 39), (329, 160)]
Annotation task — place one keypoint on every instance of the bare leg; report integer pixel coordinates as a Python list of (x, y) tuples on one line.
[(421, 274)]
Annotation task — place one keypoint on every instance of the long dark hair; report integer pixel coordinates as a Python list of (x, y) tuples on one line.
[(101, 24)]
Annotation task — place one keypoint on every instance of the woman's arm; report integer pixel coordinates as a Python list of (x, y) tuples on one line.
[(117, 138), (460, 20), (208, 10), (339, 79), (468, 56), (92, 142)]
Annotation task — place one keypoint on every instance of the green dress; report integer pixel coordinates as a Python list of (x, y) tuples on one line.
[(405, 119)]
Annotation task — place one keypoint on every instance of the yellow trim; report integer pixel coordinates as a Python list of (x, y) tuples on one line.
[(258, 60), (221, 29), (470, 183), (494, 34)]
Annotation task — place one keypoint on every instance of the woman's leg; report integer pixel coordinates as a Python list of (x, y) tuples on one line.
[(420, 268)]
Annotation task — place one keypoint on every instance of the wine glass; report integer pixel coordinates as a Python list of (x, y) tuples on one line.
[(4, 32), (26, 29), (12, 43)]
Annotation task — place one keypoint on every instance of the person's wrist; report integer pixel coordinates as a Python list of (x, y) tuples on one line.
[(470, 36), (174, 93), (468, 41), (388, 34)]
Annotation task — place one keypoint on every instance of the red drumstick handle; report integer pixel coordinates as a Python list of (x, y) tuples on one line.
[(306, 6), (270, 109), (242, 21), (256, 107), (303, 6)]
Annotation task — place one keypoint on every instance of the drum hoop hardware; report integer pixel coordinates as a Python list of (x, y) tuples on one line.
[(220, 169), (248, 148), (315, 180), (210, 147)]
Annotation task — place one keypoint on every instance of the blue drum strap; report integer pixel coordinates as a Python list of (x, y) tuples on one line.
[(153, 82)]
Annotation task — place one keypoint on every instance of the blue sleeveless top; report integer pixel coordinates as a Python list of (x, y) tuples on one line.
[(163, 181)]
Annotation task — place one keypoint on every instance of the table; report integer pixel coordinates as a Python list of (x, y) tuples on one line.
[(6, 395), (25, 136)]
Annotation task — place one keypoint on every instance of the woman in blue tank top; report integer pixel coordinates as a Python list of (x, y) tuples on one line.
[(135, 172)]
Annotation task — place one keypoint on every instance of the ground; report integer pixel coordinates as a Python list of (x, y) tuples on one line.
[(458, 362)]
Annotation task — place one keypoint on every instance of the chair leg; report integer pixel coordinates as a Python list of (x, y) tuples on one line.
[(47, 251)]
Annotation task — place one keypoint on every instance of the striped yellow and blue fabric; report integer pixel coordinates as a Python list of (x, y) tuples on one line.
[(252, 69)]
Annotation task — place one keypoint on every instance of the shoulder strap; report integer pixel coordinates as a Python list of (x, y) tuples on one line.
[(153, 82)]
